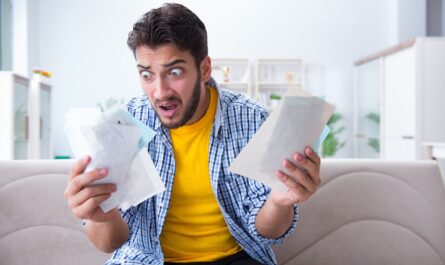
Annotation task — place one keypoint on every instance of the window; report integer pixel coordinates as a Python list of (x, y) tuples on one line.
[(5, 35)]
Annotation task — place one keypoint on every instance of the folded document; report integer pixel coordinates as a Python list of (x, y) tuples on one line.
[(299, 121)]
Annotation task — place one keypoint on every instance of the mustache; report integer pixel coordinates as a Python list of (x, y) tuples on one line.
[(169, 99)]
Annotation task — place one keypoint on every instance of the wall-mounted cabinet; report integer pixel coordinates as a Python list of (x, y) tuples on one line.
[(403, 87), (14, 116)]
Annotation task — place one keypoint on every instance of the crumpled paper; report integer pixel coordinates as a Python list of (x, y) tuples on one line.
[(116, 141), (298, 121)]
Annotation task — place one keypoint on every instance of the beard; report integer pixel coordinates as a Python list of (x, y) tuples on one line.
[(189, 109)]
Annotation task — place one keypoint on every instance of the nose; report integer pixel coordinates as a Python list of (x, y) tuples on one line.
[(161, 89)]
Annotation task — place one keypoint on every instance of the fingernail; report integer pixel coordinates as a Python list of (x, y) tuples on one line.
[(103, 172), (300, 157), (309, 151), (85, 159)]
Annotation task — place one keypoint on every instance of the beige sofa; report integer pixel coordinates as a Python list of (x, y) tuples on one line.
[(365, 212)]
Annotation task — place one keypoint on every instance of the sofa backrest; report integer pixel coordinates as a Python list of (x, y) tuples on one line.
[(371, 212), (365, 212), (36, 226)]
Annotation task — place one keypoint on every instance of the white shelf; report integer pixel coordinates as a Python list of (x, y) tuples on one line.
[(232, 74), (235, 86), (278, 85), (275, 76), (281, 61)]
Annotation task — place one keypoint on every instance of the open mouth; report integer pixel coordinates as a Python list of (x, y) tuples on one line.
[(167, 109)]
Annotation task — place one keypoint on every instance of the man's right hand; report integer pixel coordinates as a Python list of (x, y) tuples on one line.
[(84, 197), (107, 231)]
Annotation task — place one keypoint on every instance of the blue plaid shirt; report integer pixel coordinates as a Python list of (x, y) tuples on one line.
[(239, 198)]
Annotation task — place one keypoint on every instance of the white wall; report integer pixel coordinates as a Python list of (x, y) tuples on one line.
[(25, 37), (84, 44), (20, 37), (412, 19), (33, 35)]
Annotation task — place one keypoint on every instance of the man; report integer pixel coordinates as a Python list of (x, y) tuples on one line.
[(206, 214)]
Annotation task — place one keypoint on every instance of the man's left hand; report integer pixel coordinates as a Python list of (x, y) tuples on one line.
[(302, 181)]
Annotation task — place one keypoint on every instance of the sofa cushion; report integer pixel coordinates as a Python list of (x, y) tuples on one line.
[(371, 212), (36, 225)]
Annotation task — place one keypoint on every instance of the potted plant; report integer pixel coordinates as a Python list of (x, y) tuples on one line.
[(274, 98)]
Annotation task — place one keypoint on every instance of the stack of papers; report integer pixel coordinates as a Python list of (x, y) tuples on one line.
[(116, 141)]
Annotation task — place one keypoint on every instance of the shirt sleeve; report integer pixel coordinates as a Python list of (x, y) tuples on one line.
[(258, 194)]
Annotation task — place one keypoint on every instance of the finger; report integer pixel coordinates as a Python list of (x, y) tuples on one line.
[(89, 192), (296, 191), (79, 167), (300, 176), (312, 155), (312, 169), (84, 180), (287, 180), (85, 210)]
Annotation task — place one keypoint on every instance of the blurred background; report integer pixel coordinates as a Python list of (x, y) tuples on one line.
[(59, 55)]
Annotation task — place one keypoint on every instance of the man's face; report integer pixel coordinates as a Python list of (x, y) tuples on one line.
[(171, 81)]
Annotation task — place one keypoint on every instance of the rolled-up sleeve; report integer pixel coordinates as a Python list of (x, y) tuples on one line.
[(255, 206)]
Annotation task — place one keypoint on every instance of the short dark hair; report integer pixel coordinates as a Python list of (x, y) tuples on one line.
[(171, 23)]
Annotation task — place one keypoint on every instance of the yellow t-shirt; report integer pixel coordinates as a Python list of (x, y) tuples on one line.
[(194, 229)]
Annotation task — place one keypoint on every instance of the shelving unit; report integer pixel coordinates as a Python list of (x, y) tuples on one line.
[(25, 117), (233, 74), (274, 77)]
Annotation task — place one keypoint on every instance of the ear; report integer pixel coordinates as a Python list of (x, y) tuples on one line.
[(206, 69)]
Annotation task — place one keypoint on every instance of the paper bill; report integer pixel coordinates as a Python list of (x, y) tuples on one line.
[(299, 121)]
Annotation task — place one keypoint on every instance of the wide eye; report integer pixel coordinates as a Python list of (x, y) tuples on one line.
[(145, 74), (175, 72)]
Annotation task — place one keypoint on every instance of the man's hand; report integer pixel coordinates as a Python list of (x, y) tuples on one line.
[(302, 181), (107, 231), (83, 197), (277, 213)]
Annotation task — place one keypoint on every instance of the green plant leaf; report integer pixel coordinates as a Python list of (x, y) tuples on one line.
[(332, 144), (374, 116)]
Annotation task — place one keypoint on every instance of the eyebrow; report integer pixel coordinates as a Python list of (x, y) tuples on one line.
[(164, 65)]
